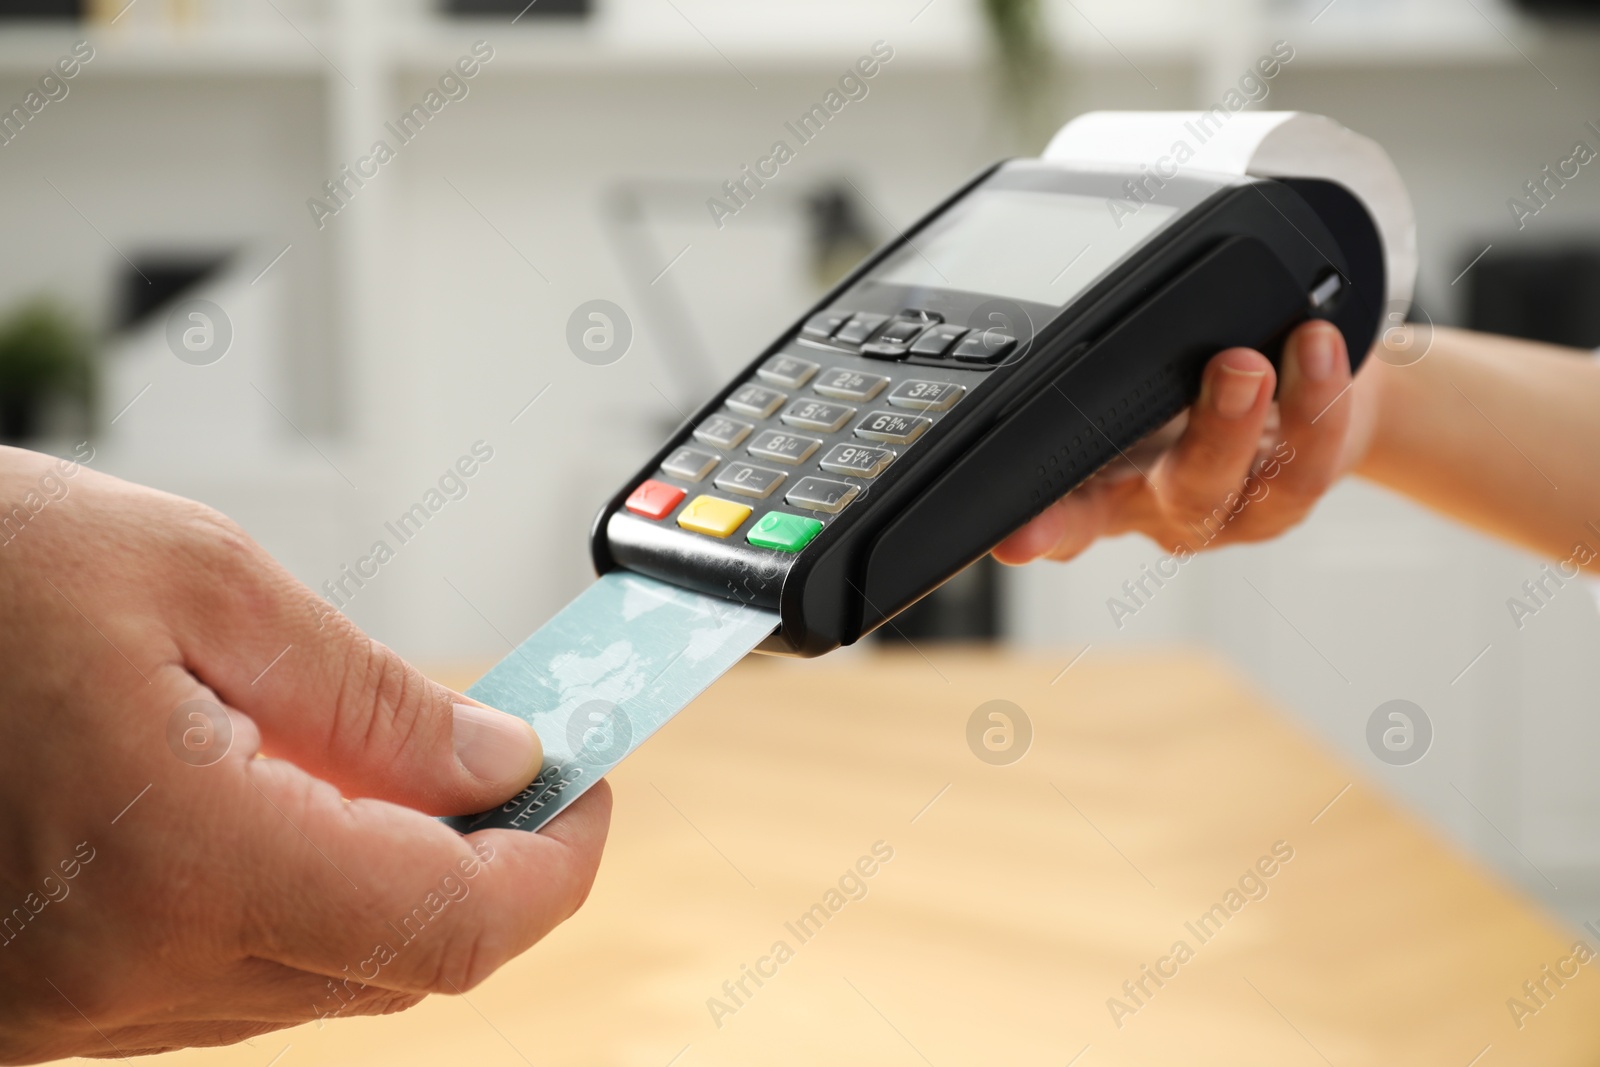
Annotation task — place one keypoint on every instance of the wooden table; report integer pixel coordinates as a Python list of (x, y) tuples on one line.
[(1019, 898)]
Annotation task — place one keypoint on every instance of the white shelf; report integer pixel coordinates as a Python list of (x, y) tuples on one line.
[(160, 52), (626, 36), (1464, 36)]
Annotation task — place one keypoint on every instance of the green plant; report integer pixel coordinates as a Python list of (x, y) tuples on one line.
[(43, 353), (1024, 60)]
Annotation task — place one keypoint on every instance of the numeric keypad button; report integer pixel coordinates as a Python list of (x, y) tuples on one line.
[(920, 395), (690, 464), (817, 415), (781, 447), (864, 461), (722, 431), (821, 494), (842, 383), (892, 427), (757, 401), (791, 372), (747, 479)]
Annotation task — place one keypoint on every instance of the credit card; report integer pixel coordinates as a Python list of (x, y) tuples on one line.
[(603, 675)]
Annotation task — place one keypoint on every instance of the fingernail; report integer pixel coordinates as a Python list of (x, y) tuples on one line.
[(1314, 352), (494, 746), (1236, 391)]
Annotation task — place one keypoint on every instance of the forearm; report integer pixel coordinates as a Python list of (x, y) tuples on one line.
[(1499, 433)]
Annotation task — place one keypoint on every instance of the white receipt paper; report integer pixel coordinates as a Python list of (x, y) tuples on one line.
[(1262, 144)]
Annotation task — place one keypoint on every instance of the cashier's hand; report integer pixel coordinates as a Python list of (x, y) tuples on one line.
[(162, 887), (1238, 466)]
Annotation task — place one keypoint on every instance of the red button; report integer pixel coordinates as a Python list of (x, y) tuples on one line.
[(654, 500)]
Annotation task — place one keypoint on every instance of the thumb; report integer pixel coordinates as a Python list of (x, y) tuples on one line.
[(337, 703)]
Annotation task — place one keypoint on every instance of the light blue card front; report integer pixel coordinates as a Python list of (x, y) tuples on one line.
[(604, 674)]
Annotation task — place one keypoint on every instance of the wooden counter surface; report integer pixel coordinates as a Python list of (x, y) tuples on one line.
[(1018, 901)]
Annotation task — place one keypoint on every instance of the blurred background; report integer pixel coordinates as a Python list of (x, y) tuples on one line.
[(371, 342)]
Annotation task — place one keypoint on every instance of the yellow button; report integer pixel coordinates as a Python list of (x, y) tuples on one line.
[(708, 515)]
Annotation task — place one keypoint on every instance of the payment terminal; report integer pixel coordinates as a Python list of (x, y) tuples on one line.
[(1023, 333)]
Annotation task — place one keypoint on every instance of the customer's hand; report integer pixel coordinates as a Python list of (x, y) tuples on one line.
[(1238, 466), (153, 895)]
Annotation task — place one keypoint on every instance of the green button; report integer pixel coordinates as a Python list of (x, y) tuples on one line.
[(786, 533)]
